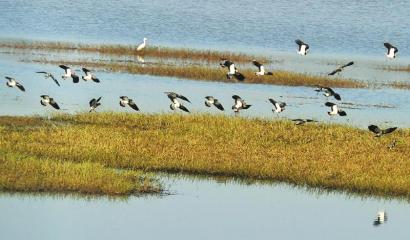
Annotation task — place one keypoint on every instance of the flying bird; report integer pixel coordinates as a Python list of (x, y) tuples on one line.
[(175, 103), (69, 73), (239, 104), (334, 109), (300, 121), (261, 68), (233, 71), (124, 101), (279, 106), (339, 69), (303, 47), (89, 76), (94, 103), (391, 50), (142, 45), (380, 218), (328, 92), (379, 132), (13, 83), (49, 75), (47, 100), (213, 101)]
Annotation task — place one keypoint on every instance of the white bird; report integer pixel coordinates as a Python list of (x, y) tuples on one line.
[(45, 99), (261, 68), (175, 103), (279, 106), (391, 50), (124, 100), (380, 218), (233, 71), (213, 101), (69, 73), (13, 83), (239, 104), (334, 109), (89, 76), (379, 132), (142, 45), (49, 75), (339, 69), (94, 103), (303, 47)]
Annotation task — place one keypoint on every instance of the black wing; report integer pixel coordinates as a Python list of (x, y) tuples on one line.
[(389, 130), (54, 104), (85, 70), (329, 104), (236, 97), (76, 79), (20, 87), (239, 76), (348, 64), (218, 105), (272, 101), (183, 108), (64, 67), (299, 42), (388, 45), (183, 98), (42, 72), (335, 71), (374, 129), (256, 63), (133, 105)]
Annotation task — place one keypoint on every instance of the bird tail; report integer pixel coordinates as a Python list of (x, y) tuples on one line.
[(269, 73)]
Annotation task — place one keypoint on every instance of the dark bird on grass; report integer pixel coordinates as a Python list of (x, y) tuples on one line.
[(379, 132), (47, 100), (335, 110), (391, 50), (89, 76), (49, 75), (175, 103), (279, 106), (94, 103), (213, 101), (69, 73), (232, 70), (300, 121), (261, 69), (339, 69), (328, 92), (303, 47), (239, 104), (124, 101), (380, 218), (11, 82)]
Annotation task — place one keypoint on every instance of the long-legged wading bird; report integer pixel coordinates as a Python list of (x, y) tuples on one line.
[(303, 47), (379, 132), (232, 70), (335, 110), (261, 69), (142, 45), (47, 100), (124, 101), (340, 69), (279, 106), (175, 103), (213, 101), (69, 73), (89, 76), (49, 75), (11, 82), (239, 104), (391, 50), (94, 103)]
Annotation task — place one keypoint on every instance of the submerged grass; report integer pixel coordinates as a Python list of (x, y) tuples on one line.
[(327, 156)]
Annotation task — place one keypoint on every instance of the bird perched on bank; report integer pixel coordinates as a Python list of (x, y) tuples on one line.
[(261, 69), (328, 92), (175, 103), (334, 109), (239, 104), (47, 100), (380, 218), (213, 101), (233, 71), (391, 50), (339, 69), (300, 121), (11, 82), (89, 76), (379, 132), (303, 47), (69, 73), (279, 106), (94, 103), (142, 45), (124, 101), (49, 75)]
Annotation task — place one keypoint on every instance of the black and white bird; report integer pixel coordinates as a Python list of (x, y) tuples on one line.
[(94, 103), (232, 70), (339, 69), (279, 106), (239, 104), (11, 82), (47, 100), (391, 50), (213, 101), (261, 69), (303, 47), (334, 109), (175, 103), (69, 73), (142, 45), (381, 218), (379, 132), (89, 76), (328, 92), (49, 75), (124, 101), (300, 121)]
